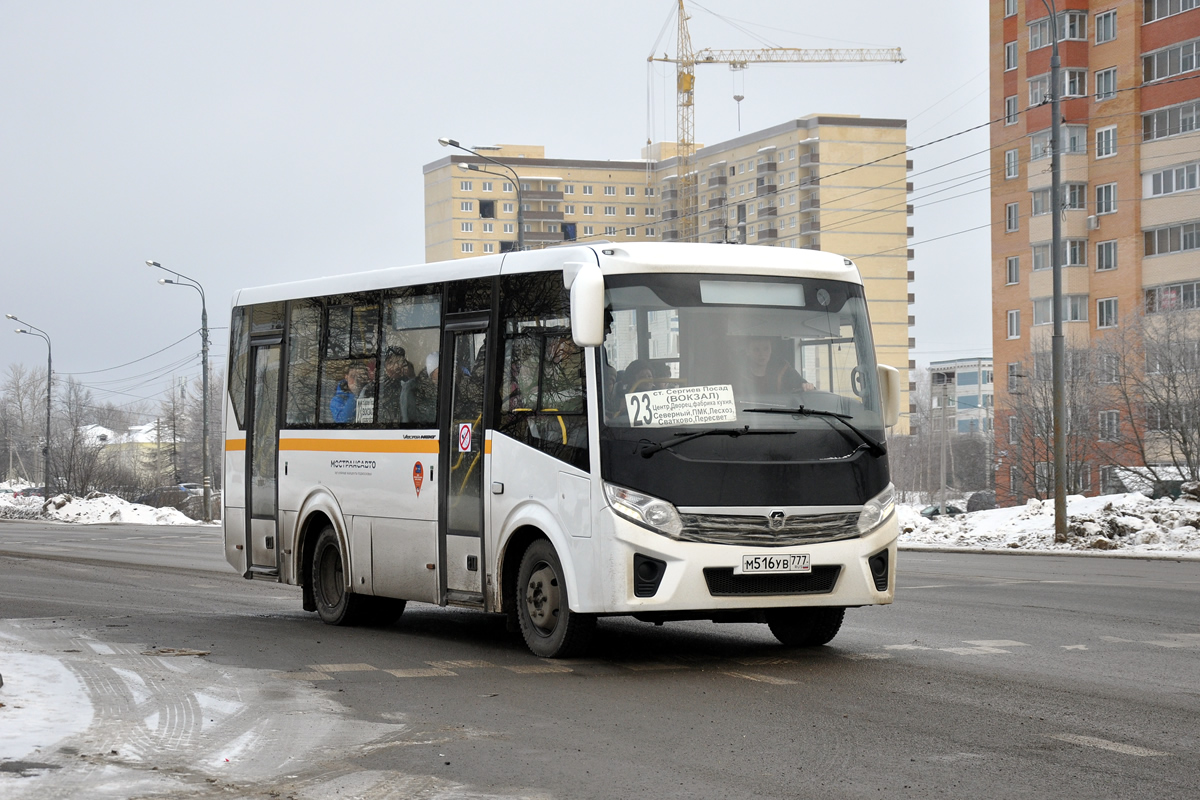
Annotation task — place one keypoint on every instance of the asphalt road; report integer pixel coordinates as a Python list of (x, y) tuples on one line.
[(991, 676)]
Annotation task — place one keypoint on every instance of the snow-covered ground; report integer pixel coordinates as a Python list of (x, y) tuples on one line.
[(1115, 524), (91, 510)]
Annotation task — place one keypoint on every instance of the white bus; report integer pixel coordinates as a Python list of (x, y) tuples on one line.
[(668, 431)]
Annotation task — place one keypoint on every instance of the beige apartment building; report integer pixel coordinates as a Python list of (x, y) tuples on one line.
[(1129, 160), (834, 183)]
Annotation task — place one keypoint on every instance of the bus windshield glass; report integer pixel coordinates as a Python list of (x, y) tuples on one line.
[(689, 352)]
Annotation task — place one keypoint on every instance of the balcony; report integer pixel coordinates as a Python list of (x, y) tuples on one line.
[(768, 166), (810, 204), (541, 237), (542, 216), (719, 180), (766, 190), (769, 211), (768, 234), (670, 214), (670, 236), (809, 159), (670, 195), (810, 227), (529, 196), (717, 222), (716, 202)]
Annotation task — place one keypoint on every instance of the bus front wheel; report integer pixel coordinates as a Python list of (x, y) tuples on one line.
[(335, 604), (805, 627), (550, 628)]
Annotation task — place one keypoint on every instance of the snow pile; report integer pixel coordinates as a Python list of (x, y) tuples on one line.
[(106, 508), (1127, 523)]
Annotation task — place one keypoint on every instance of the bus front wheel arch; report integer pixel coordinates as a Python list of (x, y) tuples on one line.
[(549, 626), (336, 604)]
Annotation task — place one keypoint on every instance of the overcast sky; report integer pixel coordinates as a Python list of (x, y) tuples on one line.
[(246, 143)]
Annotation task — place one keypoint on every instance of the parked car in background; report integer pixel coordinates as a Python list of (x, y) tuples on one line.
[(936, 511), (164, 496), (31, 491)]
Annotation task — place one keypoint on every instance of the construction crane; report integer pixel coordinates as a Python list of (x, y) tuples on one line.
[(685, 62)]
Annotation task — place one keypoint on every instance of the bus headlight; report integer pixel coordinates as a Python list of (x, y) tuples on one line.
[(877, 509), (647, 511)]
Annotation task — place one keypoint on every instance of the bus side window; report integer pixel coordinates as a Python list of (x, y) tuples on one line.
[(304, 348), (239, 363), (350, 362), (542, 396)]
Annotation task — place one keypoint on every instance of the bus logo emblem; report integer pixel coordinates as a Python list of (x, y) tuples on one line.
[(418, 477), (775, 520)]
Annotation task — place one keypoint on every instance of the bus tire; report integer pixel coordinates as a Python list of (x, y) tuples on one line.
[(805, 627), (550, 628), (335, 603)]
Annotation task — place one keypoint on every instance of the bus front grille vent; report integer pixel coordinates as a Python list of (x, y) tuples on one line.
[(762, 531), (722, 582)]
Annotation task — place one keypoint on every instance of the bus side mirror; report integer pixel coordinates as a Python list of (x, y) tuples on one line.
[(586, 283), (889, 391)]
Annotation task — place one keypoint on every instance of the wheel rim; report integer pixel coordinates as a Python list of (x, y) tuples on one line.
[(330, 572), (543, 598)]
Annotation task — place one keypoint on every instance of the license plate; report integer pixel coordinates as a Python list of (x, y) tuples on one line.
[(791, 562)]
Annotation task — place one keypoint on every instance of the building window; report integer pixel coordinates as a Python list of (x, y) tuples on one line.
[(1106, 313), (1106, 141), (1010, 110), (1110, 425), (1014, 382), (506, 186), (1106, 26), (488, 227), (468, 247), (1157, 9), (464, 186), (1012, 168), (1106, 198), (1106, 255), (1041, 202), (588, 210), (1170, 121), (1071, 25), (508, 207), (610, 230), (1074, 82), (1012, 270), (467, 227), (466, 205), (1106, 83), (631, 231), (487, 186), (1039, 90), (568, 209), (1074, 253), (1014, 324), (1108, 368), (630, 191), (649, 231), (1171, 298), (1010, 56), (1010, 8), (1076, 139), (587, 190), (588, 230), (1175, 179), (1011, 215), (649, 191), (1074, 196), (630, 211), (489, 247), (509, 227), (1039, 145), (610, 211), (610, 191), (1074, 309), (649, 211), (1170, 61), (568, 188)]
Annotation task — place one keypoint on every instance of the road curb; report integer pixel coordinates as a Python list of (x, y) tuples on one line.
[(1005, 551)]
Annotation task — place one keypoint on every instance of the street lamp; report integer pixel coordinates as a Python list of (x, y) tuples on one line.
[(35, 331), (1057, 346), (444, 142), (195, 284)]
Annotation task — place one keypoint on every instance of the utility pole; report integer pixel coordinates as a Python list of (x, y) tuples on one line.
[(945, 432)]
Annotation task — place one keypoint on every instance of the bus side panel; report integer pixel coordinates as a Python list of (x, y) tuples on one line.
[(532, 497), (402, 550), (234, 514)]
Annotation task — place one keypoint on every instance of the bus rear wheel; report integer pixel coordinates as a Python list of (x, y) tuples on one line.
[(805, 627), (550, 628), (335, 604)]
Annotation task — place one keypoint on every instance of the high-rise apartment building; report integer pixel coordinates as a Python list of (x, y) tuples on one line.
[(1130, 153), (834, 183)]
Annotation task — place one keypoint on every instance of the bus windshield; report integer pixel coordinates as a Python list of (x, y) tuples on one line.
[(698, 350)]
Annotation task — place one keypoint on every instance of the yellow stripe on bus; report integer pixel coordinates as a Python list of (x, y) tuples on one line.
[(361, 445), (235, 444)]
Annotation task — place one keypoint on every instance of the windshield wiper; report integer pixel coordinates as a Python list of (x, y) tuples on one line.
[(653, 447), (877, 448)]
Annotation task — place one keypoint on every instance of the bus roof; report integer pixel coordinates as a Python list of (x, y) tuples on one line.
[(613, 259)]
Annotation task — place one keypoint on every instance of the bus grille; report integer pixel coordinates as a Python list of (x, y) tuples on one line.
[(764, 532), (722, 582)]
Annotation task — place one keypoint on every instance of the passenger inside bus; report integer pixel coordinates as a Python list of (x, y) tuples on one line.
[(397, 372), (418, 400), (767, 371), (344, 403)]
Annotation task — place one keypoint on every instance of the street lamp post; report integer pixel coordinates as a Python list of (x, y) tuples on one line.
[(444, 142), (195, 284), (1057, 345), (35, 331)]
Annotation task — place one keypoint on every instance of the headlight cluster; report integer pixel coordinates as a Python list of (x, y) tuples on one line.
[(877, 509), (650, 512)]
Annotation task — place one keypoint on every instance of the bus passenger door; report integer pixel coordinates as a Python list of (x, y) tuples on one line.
[(262, 461), (460, 528)]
